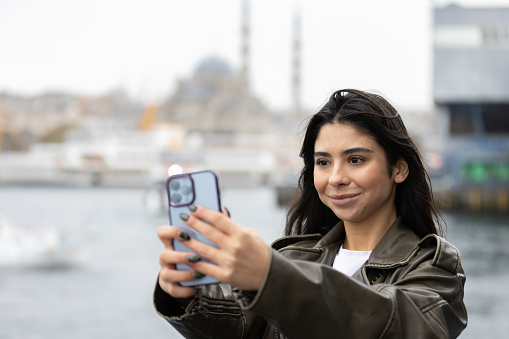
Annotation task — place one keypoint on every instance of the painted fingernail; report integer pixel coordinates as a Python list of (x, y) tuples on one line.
[(228, 211), (193, 258), (184, 216), (198, 275), (192, 207), (184, 236)]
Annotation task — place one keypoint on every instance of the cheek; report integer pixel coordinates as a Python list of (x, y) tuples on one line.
[(317, 186), (368, 177), (377, 183), (318, 181)]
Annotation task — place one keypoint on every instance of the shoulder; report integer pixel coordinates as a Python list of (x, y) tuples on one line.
[(297, 241), (401, 247), (444, 254), (311, 240)]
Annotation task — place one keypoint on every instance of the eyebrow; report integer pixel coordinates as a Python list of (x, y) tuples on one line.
[(345, 152)]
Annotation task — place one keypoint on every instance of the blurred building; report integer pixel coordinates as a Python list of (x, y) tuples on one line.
[(215, 99), (40, 118), (471, 94), (212, 119), (25, 120)]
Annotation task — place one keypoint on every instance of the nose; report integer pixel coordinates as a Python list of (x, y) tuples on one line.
[(338, 177)]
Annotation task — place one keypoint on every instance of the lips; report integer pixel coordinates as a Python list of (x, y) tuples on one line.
[(343, 199)]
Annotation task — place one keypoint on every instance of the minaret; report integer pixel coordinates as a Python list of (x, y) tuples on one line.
[(296, 63), (245, 50), (242, 118)]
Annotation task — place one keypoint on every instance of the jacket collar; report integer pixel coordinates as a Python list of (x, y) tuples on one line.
[(396, 247), (333, 237)]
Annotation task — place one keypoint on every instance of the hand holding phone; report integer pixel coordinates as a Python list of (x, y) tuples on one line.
[(199, 188)]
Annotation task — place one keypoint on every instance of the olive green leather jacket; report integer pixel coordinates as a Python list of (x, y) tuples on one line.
[(408, 288)]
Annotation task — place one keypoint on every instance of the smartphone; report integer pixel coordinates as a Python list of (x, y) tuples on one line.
[(199, 188)]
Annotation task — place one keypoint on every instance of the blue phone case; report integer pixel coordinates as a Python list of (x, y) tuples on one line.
[(199, 188)]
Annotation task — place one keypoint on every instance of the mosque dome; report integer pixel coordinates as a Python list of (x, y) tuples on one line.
[(213, 66)]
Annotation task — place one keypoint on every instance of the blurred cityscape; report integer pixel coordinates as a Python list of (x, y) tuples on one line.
[(212, 120), (82, 176)]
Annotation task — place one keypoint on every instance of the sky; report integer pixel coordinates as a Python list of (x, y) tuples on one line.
[(91, 47)]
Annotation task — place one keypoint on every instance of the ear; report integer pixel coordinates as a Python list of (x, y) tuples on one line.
[(400, 171)]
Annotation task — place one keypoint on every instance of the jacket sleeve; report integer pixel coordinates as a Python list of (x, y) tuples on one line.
[(308, 300), (212, 313)]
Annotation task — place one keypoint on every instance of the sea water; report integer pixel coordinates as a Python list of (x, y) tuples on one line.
[(103, 286)]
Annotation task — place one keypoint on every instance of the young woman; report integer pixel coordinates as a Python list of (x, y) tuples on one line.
[(363, 256)]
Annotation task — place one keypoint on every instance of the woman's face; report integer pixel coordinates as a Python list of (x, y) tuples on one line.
[(350, 175)]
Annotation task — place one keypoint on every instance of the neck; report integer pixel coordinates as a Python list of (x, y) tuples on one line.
[(364, 236)]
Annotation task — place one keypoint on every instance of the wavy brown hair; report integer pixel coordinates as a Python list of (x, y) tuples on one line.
[(371, 114)]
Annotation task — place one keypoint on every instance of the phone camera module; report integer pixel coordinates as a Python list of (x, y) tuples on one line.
[(180, 191)]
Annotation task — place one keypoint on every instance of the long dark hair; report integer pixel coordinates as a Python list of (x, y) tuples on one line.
[(371, 114)]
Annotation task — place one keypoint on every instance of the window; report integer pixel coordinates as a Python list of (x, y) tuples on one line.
[(462, 122), (496, 119), (489, 119)]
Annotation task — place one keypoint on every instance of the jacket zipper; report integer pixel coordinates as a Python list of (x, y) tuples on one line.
[(278, 335)]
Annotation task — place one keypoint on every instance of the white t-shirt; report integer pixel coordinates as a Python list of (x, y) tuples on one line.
[(348, 262)]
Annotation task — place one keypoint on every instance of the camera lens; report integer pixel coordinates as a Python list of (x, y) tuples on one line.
[(186, 189), (176, 197), (174, 185)]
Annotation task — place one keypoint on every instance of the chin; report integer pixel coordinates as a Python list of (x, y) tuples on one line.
[(350, 217)]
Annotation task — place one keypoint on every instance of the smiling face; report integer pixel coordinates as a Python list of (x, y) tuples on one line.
[(351, 175)]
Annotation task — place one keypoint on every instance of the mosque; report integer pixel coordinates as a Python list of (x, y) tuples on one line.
[(215, 99)]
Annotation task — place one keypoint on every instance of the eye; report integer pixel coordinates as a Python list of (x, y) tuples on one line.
[(356, 160), (321, 162)]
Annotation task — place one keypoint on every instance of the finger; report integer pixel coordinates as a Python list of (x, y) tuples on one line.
[(210, 232), (167, 234), (202, 249), (172, 275), (177, 291), (242, 266), (209, 269), (171, 257), (226, 212), (215, 218), (174, 288)]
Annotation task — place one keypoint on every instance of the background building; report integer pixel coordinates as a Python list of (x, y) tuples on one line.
[(216, 99), (471, 94)]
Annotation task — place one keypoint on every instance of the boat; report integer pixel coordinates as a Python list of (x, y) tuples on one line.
[(34, 247)]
